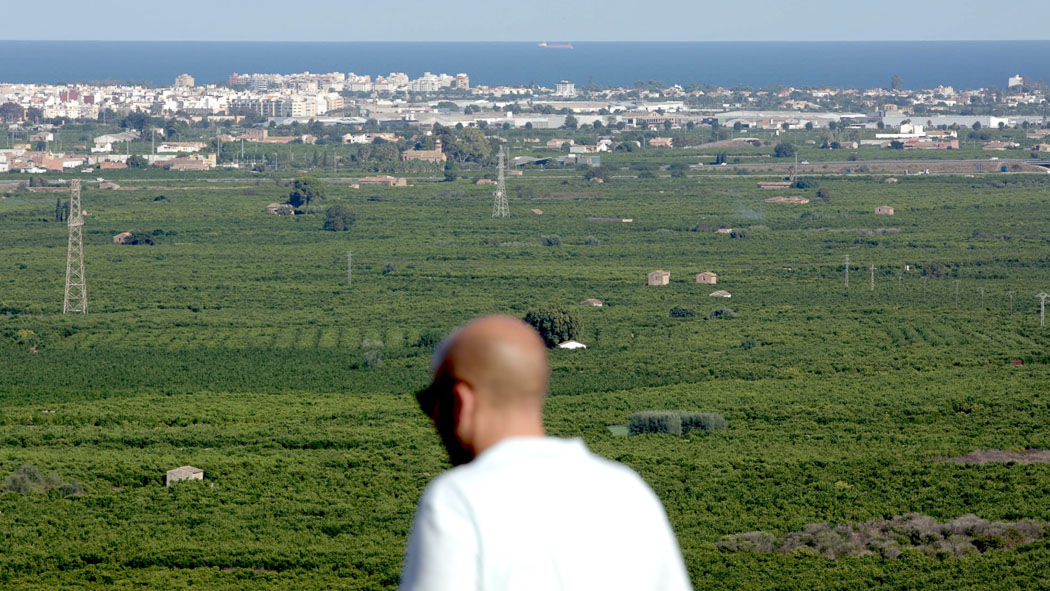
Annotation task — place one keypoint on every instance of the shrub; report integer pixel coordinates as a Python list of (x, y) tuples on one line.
[(784, 150), (702, 421), (428, 340), (373, 359), (73, 488), (592, 241), (28, 479), (389, 268), (680, 312), (552, 240), (718, 313), (968, 534), (555, 323), (666, 422), (25, 480), (139, 238), (339, 218)]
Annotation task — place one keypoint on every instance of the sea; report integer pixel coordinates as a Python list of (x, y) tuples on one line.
[(920, 64)]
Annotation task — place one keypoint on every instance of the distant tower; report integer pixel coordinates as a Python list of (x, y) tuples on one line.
[(76, 287), (499, 204)]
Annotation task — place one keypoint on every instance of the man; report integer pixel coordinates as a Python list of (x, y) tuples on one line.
[(522, 510)]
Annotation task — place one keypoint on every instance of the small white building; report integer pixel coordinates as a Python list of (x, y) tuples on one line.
[(572, 345), (183, 473), (884, 210), (720, 294), (591, 302), (659, 278), (707, 277)]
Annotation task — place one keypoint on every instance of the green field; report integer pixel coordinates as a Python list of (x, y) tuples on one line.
[(234, 344)]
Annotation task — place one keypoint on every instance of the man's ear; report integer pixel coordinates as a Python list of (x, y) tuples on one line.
[(464, 406)]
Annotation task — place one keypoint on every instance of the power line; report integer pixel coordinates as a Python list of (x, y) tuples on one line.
[(1042, 307), (847, 271), (873, 277)]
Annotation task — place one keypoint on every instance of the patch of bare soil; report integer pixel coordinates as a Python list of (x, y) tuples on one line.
[(981, 457)]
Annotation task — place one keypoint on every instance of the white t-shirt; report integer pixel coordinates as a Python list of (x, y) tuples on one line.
[(541, 514)]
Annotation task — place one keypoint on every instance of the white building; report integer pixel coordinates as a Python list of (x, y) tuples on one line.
[(183, 473), (1013, 81), (565, 89)]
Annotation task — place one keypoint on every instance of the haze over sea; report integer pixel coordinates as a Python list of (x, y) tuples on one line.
[(921, 64)]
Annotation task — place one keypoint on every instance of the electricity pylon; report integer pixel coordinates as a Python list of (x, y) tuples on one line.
[(76, 286), (500, 209), (1042, 307)]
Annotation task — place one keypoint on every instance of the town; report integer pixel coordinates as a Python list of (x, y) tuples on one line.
[(190, 127)]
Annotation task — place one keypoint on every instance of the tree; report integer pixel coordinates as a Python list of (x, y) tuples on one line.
[(339, 218), (556, 324), (570, 122), (824, 194), (976, 125), (784, 150), (35, 114), (809, 126), (11, 112), (598, 172), (305, 190), (680, 312), (896, 83), (136, 120), (137, 161)]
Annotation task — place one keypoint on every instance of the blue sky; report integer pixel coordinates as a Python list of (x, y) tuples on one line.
[(534, 20)]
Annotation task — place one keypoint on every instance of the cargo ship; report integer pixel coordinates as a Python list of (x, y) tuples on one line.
[(546, 45)]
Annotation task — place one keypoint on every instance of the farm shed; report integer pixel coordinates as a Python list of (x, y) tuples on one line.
[(659, 278), (121, 238), (384, 180), (591, 302), (183, 473), (707, 277), (721, 294), (280, 209), (884, 210)]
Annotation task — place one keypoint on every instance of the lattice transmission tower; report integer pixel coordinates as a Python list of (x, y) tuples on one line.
[(500, 209), (76, 286)]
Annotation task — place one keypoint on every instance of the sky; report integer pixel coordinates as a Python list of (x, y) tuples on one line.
[(533, 20)]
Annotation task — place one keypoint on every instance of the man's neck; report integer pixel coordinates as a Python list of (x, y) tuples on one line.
[(521, 428)]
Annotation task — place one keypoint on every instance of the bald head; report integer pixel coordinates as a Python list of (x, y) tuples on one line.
[(502, 358)]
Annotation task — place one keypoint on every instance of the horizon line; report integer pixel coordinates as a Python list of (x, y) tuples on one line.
[(526, 41)]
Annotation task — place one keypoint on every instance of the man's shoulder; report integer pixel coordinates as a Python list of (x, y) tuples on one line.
[(567, 462)]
